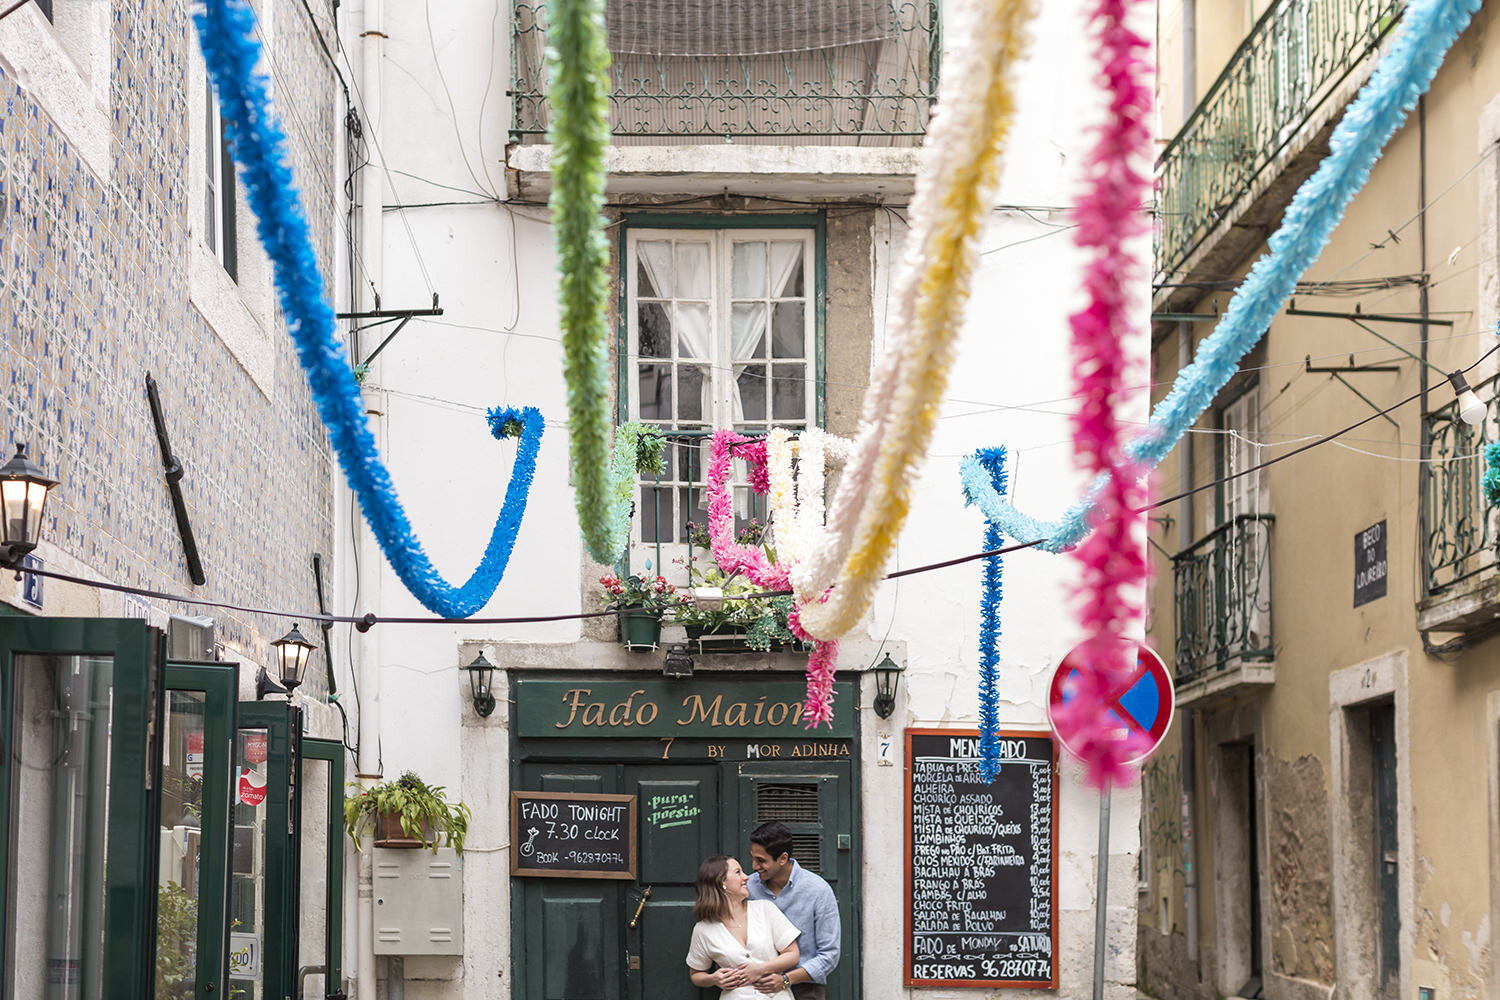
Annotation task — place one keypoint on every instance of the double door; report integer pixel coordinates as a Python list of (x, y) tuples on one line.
[(582, 939), (151, 825)]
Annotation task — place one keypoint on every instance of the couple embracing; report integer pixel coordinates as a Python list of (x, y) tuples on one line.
[(773, 935)]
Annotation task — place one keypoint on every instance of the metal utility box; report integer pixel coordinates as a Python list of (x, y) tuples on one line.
[(419, 902)]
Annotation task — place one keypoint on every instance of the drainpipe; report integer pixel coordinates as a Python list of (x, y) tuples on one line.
[(1188, 735), (1189, 58), (371, 561)]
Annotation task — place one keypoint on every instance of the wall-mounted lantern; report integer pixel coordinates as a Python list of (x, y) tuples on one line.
[(481, 673), (23, 494), (292, 653), (887, 678)]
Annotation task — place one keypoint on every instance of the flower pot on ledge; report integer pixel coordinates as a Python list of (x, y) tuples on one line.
[(640, 629), (729, 639)]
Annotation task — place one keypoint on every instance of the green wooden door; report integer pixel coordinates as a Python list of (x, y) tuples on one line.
[(321, 858), (582, 939), (570, 929), (815, 801), (79, 774), (264, 869), (678, 825), (1387, 847), (197, 782)]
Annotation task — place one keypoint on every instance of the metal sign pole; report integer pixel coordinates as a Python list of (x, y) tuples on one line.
[(1101, 909)]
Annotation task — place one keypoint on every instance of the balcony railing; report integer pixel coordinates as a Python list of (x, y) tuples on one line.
[(1293, 60), (876, 93), (1459, 533), (1222, 585)]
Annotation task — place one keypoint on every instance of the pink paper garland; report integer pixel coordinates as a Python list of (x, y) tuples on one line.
[(1111, 560), (735, 558)]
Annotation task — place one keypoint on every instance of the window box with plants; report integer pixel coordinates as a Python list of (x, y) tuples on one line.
[(743, 624), (406, 813), (641, 601)]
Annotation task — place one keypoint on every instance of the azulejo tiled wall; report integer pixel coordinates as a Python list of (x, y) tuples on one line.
[(94, 294)]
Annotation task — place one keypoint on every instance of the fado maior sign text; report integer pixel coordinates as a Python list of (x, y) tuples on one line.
[(652, 709)]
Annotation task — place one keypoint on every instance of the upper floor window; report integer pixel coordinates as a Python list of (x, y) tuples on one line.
[(218, 189), (45, 6), (721, 333)]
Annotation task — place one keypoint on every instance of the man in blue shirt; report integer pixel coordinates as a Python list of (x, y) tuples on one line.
[(808, 903)]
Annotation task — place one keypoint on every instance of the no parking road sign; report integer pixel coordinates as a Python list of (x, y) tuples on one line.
[(1141, 707)]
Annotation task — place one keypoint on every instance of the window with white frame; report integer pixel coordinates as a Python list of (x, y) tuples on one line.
[(218, 189), (721, 333)]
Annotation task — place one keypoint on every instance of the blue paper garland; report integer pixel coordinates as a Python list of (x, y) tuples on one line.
[(226, 31), (987, 465), (1403, 76)]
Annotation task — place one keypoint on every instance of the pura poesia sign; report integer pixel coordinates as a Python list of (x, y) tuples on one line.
[(697, 707)]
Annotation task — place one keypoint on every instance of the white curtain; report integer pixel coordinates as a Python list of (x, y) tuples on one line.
[(690, 320), (750, 322)]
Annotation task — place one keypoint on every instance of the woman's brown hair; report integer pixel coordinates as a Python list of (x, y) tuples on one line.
[(712, 902)]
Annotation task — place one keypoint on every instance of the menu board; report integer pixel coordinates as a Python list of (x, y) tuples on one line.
[(980, 861), (572, 835)]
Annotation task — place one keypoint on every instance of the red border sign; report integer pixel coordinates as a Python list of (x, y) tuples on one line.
[(907, 869), (1148, 668)]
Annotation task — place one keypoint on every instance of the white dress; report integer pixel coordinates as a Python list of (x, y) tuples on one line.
[(767, 932)]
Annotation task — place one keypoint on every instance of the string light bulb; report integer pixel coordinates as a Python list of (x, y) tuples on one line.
[(1471, 410)]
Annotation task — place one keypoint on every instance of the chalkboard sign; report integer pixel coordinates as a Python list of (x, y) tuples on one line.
[(572, 835), (980, 860)]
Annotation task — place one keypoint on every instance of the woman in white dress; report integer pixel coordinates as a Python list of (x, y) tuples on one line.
[(738, 942)]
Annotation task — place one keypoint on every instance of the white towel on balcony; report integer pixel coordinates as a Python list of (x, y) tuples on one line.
[(744, 27)]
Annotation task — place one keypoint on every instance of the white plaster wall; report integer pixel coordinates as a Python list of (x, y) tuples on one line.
[(438, 378)]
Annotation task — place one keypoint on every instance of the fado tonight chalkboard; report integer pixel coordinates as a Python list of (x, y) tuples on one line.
[(572, 835), (980, 860)]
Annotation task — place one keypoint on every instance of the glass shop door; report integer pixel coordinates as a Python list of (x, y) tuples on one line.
[(321, 916), (263, 859), (192, 895), (80, 724)]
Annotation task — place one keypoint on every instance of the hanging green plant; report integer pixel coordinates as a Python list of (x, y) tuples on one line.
[(409, 805)]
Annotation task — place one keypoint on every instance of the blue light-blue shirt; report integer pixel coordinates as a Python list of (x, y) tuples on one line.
[(809, 904)]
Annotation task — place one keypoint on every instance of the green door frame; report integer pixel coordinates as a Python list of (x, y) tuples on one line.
[(137, 652), (283, 725), (332, 751), (219, 683)]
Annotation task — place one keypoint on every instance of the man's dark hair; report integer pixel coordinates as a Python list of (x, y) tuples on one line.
[(774, 837)]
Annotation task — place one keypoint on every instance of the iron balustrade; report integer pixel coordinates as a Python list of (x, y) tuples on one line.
[(1293, 60), (1222, 587), (869, 94), (1458, 529)]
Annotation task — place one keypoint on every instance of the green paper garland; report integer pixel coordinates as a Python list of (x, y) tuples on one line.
[(578, 91)]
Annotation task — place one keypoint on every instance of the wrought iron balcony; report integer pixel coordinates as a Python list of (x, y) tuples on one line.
[(1458, 524), (865, 93), (1222, 585), (1294, 59)]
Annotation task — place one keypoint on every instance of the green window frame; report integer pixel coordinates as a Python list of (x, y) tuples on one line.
[(219, 684), (127, 924), (332, 752)]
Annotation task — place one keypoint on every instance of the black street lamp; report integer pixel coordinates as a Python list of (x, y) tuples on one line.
[(292, 653), (887, 679), (23, 494), (481, 673)]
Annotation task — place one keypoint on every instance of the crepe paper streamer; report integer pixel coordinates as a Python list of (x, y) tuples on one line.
[(226, 31), (751, 560), (578, 94), (638, 449), (990, 463), (1428, 30), (1491, 481), (1111, 559), (955, 189)]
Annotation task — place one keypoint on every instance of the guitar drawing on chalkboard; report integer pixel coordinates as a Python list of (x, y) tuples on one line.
[(526, 848)]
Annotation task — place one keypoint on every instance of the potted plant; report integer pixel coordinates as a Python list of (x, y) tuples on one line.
[(641, 601), (742, 624), (406, 813)]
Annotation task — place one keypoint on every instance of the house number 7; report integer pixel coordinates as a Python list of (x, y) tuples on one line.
[(668, 748)]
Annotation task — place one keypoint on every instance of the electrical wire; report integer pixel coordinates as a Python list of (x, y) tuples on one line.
[(367, 621)]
